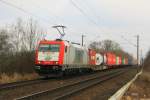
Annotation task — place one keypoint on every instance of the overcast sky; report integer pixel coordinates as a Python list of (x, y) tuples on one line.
[(97, 19)]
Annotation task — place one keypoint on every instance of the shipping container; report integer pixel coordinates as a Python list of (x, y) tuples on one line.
[(123, 60), (99, 59), (111, 59), (92, 57), (118, 60), (130, 60), (104, 59), (126, 61)]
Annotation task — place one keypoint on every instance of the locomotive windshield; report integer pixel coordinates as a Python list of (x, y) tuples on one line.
[(49, 47)]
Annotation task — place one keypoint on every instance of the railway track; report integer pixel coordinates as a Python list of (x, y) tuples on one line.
[(67, 90), (20, 84), (12, 85)]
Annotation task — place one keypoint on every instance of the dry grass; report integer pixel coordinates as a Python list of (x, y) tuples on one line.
[(140, 89), (4, 78), (145, 76)]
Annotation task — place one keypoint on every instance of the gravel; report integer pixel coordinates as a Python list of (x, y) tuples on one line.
[(140, 89), (104, 90), (52, 83)]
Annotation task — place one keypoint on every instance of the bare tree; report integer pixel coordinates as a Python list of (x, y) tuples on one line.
[(95, 45), (4, 43), (147, 62), (106, 45), (33, 35), (16, 34), (25, 35), (109, 46), (21, 38)]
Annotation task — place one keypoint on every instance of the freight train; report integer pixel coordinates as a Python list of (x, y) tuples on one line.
[(59, 57)]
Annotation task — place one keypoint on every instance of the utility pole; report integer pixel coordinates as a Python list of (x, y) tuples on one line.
[(83, 39), (141, 58), (137, 50)]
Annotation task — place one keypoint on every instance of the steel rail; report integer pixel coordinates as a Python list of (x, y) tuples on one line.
[(19, 84), (67, 90), (83, 87)]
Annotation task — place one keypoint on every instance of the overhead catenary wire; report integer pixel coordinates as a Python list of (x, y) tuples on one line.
[(91, 9), (48, 21), (25, 11), (55, 17), (83, 12), (28, 13), (128, 41), (91, 20)]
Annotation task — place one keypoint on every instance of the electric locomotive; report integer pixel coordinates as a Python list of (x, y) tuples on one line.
[(59, 57)]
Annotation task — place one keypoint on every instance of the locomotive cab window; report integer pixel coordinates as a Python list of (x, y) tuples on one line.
[(49, 47)]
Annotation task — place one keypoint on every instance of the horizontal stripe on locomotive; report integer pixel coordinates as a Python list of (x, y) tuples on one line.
[(64, 67)]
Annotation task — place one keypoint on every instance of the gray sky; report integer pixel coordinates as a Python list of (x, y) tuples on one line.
[(97, 19)]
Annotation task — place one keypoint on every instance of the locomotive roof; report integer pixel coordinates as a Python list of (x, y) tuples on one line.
[(74, 45), (67, 43)]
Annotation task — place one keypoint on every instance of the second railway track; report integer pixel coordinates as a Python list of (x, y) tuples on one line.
[(67, 90), (20, 84)]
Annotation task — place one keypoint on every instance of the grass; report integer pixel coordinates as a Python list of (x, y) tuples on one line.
[(140, 89), (145, 76), (5, 78)]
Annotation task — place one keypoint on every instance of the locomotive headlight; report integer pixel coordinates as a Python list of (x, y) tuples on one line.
[(39, 62), (56, 62)]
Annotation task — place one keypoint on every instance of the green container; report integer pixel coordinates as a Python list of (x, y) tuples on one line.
[(123, 60), (117, 60)]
